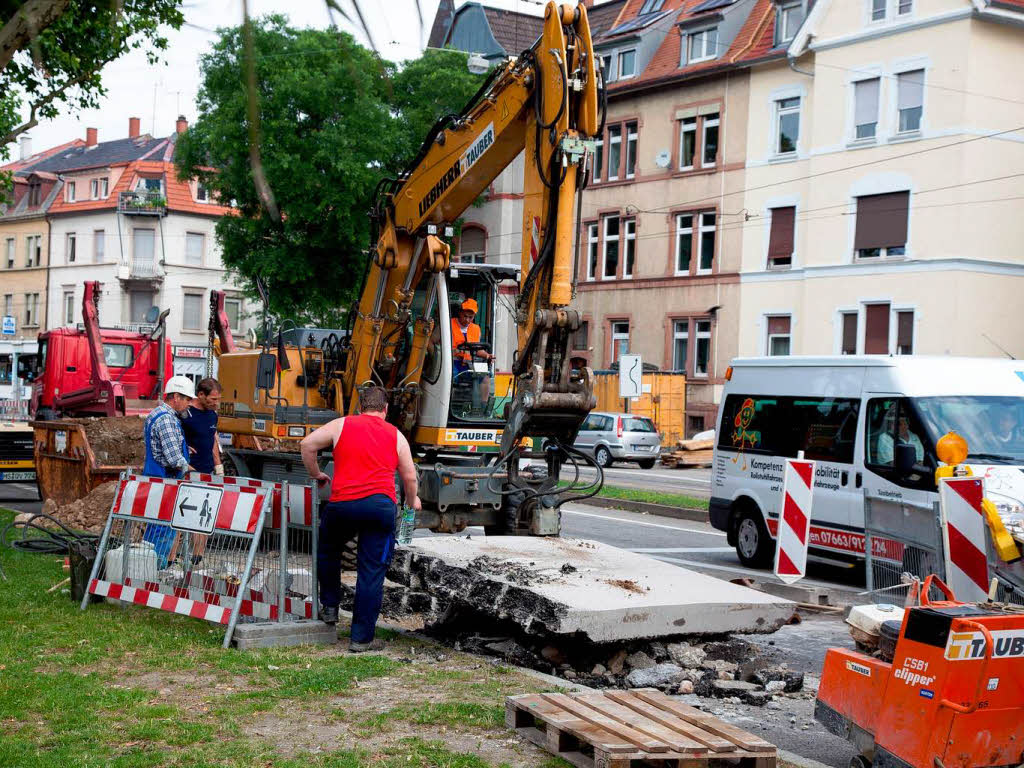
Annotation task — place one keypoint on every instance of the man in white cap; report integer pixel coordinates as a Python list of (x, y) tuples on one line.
[(166, 451)]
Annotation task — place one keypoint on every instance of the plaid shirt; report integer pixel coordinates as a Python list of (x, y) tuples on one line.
[(166, 437)]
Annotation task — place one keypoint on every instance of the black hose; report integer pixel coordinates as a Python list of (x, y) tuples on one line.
[(50, 542)]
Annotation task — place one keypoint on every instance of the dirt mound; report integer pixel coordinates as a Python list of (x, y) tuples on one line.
[(88, 513), (117, 440)]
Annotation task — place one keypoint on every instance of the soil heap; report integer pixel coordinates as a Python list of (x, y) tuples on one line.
[(88, 513), (116, 440)]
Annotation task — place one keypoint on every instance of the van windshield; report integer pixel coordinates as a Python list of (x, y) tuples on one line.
[(993, 426)]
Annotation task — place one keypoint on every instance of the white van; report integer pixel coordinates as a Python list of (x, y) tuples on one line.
[(871, 424)]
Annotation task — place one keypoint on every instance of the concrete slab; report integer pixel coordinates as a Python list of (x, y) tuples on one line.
[(267, 634), (577, 587)]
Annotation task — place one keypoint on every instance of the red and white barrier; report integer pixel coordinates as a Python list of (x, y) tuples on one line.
[(153, 498), (794, 531), (964, 535)]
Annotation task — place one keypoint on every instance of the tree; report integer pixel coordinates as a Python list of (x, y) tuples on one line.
[(333, 120), (52, 53)]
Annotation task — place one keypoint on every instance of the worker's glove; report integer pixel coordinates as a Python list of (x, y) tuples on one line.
[(219, 469)]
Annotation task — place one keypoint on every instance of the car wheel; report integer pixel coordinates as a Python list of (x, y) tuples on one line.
[(754, 545), (646, 463), (603, 457)]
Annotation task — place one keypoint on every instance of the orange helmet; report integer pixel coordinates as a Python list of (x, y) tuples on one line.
[(471, 305)]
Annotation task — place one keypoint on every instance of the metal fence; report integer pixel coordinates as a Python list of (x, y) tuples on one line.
[(902, 542), (256, 563)]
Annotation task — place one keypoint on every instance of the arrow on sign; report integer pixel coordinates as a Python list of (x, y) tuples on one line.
[(183, 506)]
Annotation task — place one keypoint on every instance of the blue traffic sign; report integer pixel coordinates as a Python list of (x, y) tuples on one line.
[(8, 326)]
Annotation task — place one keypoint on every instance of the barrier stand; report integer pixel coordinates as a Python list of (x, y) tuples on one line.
[(162, 547)]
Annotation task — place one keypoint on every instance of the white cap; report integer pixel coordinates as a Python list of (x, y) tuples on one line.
[(182, 385)]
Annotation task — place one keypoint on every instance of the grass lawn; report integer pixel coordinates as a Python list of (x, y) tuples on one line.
[(650, 497), (129, 686)]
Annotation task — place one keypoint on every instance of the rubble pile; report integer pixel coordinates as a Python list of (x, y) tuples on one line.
[(88, 513), (116, 440)]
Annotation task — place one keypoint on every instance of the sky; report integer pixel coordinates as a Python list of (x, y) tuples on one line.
[(158, 94)]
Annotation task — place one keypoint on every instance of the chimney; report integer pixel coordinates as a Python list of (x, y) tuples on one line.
[(133, 127), (91, 136), (26, 147), (588, 4), (182, 125)]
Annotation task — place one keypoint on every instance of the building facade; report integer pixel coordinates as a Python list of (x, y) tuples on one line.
[(883, 185)]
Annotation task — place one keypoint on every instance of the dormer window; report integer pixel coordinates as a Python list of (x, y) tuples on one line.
[(99, 188), (790, 17), (884, 9), (702, 45), (71, 191), (150, 186), (34, 190), (201, 194), (651, 6), (627, 63)]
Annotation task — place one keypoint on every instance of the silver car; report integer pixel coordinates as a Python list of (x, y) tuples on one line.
[(619, 437)]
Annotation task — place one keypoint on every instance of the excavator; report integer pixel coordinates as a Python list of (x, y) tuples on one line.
[(470, 434)]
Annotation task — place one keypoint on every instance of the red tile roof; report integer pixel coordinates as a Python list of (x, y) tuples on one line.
[(755, 40)]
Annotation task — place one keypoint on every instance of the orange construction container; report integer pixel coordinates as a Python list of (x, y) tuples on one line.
[(663, 401), (66, 467)]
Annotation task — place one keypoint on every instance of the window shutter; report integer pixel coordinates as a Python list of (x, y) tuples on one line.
[(876, 329), (849, 333), (780, 243), (472, 240), (778, 325), (911, 89), (881, 220), (866, 93)]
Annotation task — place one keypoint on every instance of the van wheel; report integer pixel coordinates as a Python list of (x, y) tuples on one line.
[(754, 545), (646, 464), (603, 457)]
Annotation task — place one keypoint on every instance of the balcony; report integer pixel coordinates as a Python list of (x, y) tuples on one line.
[(140, 270), (142, 203)]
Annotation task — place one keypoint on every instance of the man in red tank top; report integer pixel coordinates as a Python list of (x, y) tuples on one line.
[(367, 452)]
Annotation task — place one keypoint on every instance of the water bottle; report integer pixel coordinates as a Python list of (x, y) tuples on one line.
[(407, 526)]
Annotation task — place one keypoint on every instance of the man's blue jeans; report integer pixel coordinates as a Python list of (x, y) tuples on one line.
[(372, 519)]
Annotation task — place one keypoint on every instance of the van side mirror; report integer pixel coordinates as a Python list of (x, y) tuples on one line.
[(905, 458), (266, 371)]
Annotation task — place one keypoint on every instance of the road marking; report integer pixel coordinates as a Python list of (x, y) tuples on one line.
[(683, 550), (641, 522), (758, 574)]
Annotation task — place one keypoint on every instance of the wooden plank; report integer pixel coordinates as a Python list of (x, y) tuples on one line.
[(605, 705), (741, 738), (641, 740), (710, 740), (558, 717)]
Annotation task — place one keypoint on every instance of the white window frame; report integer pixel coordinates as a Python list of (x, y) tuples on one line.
[(900, 8), (32, 310), (769, 337), (599, 150), (94, 189), (894, 252), (703, 228), (891, 10), (10, 249), (104, 187), (184, 316), (618, 336), (710, 121), (607, 60), (234, 300), (678, 335), (681, 230), (618, 64), (69, 307), (70, 192), (906, 70), (71, 248), (780, 112), (873, 10), (854, 125), (701, 34), (8, 303), (202, 193), (99, 246), (652, 6), (632, 139), (617, 238), (593, 241), (202, 248), (785, 11), (685, 128), (698, 334), (608, 155), (628, 233)]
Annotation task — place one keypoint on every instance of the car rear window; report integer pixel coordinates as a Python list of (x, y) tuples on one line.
[(638, 425)]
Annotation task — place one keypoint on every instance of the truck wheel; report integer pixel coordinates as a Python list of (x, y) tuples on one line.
[(509, 525), (754, 545), (646, 464), (603, 457), (348, 554), (46, 414)]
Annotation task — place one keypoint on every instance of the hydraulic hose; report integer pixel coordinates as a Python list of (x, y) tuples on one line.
[(50, 542)]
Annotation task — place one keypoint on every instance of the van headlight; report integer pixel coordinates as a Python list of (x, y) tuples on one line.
[(1006, 506)]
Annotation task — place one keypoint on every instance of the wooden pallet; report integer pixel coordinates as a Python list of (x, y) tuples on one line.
[(700, 458), (630, 729)]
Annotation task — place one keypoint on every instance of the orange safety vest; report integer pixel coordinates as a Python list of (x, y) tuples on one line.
[(472, 335)]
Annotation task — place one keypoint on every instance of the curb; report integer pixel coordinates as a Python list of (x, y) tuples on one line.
[(795, 759), (649, 508)]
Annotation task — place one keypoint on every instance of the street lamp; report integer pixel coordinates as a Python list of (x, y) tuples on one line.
[(477, 64)]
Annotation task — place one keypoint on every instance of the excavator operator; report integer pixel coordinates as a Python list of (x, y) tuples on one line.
[(464, 330)]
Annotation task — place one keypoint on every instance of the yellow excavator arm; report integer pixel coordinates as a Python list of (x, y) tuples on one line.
[(546, 103)]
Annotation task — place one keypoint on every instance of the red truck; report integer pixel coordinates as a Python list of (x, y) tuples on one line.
[(93, 371)]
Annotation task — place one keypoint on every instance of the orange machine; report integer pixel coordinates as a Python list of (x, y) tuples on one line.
[(951, 694)]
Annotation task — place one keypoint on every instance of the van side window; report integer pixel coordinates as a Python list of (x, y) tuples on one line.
[(825, 428)]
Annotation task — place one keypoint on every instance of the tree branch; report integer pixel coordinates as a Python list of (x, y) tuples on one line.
[(27, 22), (33, 121)]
